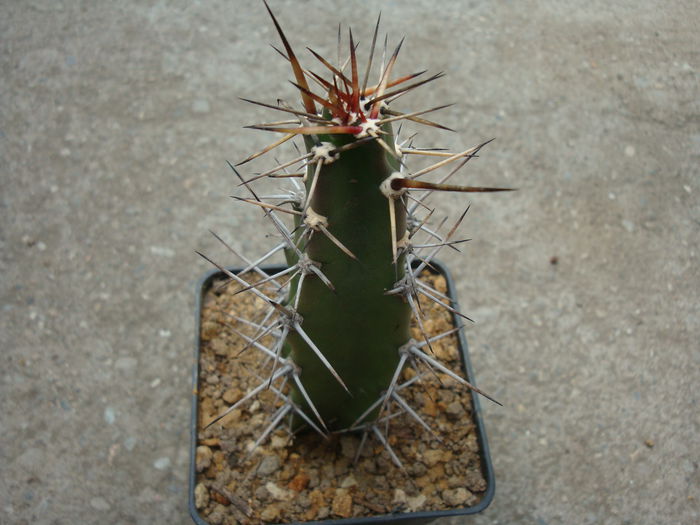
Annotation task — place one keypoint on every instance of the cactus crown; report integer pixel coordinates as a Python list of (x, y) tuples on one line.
[(341, 320)]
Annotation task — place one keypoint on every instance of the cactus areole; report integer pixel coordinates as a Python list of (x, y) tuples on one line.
[(342, 327)]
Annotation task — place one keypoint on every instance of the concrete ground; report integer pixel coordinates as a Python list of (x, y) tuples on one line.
[(116, 120)]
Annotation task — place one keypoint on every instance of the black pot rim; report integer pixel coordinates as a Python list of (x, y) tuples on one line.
[(406, 517)]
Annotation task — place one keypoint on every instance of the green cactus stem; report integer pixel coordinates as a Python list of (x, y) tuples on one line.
[(343, 329), (358, 328)]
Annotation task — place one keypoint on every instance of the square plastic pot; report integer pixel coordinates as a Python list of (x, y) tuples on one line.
[(404, 518)]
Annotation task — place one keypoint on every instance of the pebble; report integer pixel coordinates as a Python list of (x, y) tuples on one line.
[(209, 329), (278, 441), (232, 395), (162, 463), (476, 482), (348, 482), (203, 458), (314, 478), (279, 493), (342, 466), (271, 513), (415, 503), (201, 496), (317, 498), (342, 503), (471, 442), (262, 493), (432, 457), (429, 407), (399, 496), (455, 409), (440, 284), (299, 482), (303, 500), (216, 517), (457, 497), (99, 503), (268, 465), (445, 352), (327, 471), (220, 347), (455, 481), (418, 469), (447, 396), (219, 498)]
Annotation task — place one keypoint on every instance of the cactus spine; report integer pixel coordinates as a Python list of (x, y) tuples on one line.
[(342, 330)]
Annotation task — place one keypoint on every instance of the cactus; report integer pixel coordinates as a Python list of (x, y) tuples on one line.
[(342, 324)]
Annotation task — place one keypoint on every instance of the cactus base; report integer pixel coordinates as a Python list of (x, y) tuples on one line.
[(314, 477)]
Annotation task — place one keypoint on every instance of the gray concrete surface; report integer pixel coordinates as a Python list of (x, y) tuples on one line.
[(115, 122)]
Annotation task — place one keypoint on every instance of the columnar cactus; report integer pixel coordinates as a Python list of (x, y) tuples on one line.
[(342, 329)]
